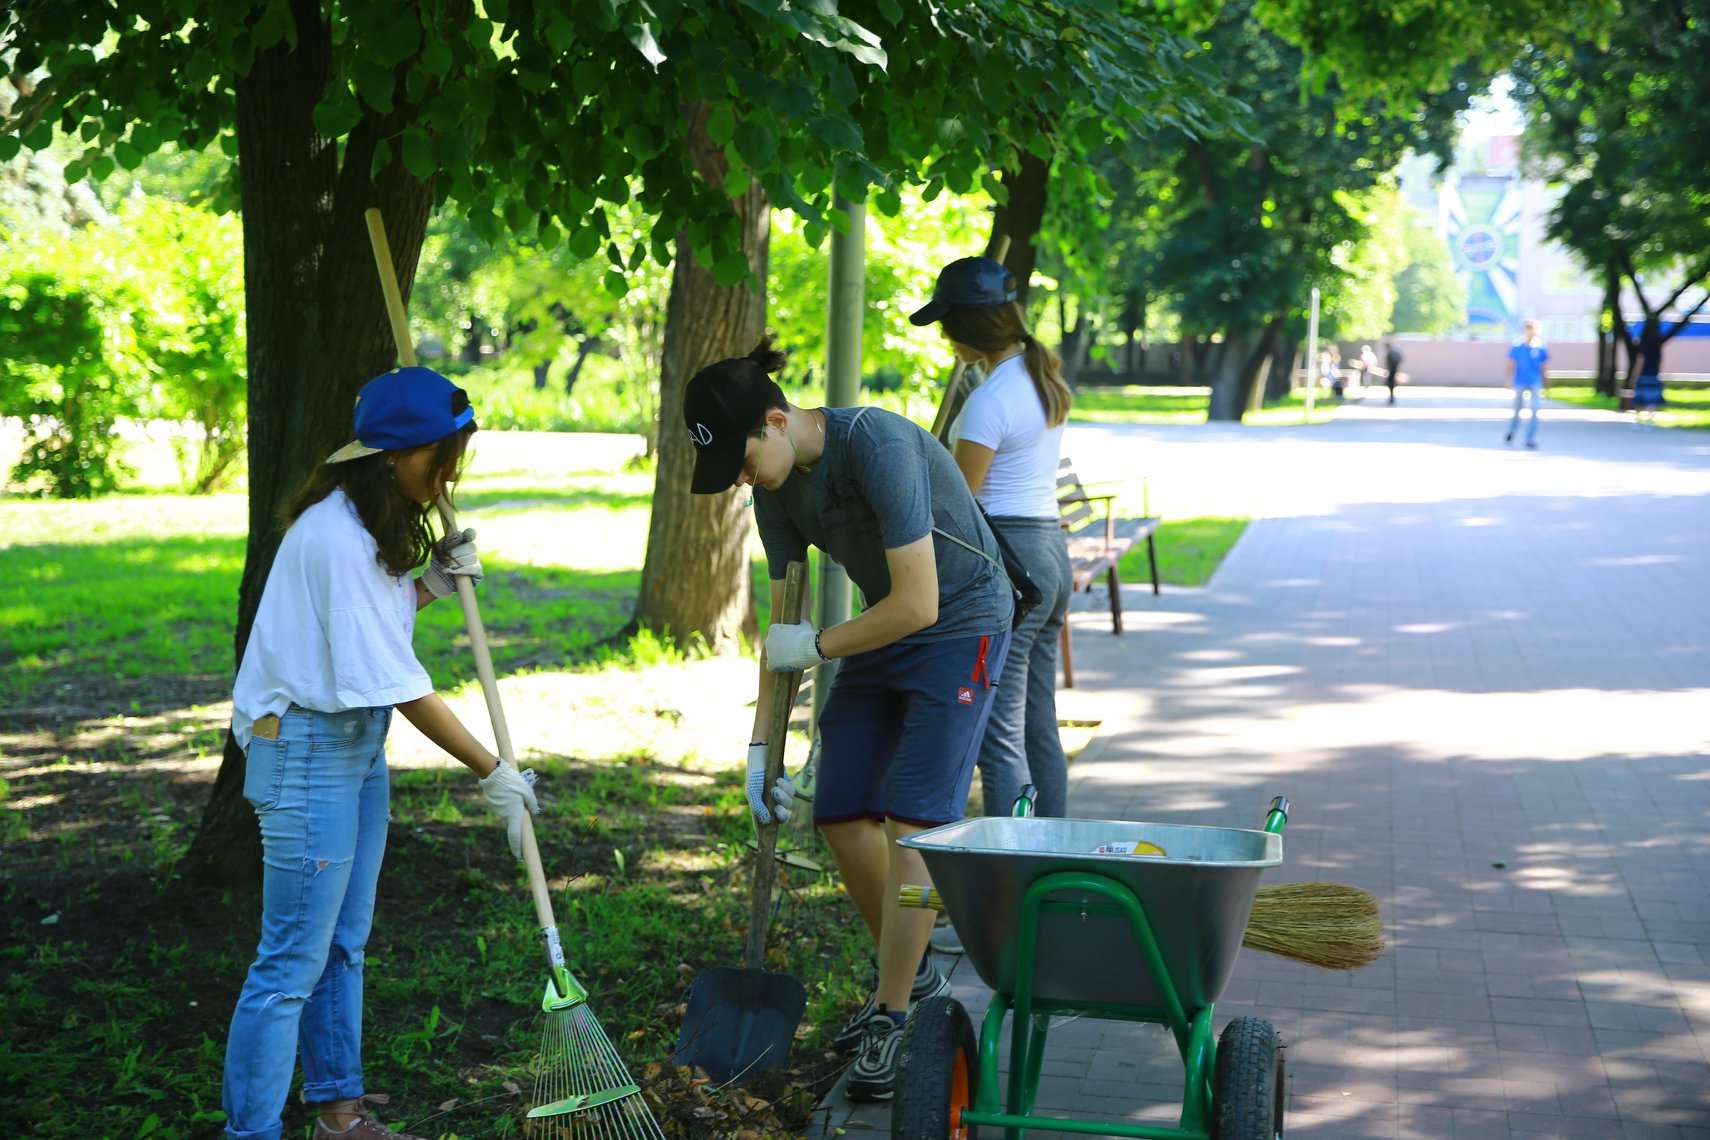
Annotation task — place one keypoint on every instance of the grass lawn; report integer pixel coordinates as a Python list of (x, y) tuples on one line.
[(1189, 551), (1687, 407), (1136, 404)]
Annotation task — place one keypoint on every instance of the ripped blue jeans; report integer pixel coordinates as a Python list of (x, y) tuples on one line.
[(320, 792)]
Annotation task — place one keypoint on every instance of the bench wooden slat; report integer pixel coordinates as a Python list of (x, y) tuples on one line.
[(1096, 543)]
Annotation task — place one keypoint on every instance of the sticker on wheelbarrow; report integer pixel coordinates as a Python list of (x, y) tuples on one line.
[(1129, 847)]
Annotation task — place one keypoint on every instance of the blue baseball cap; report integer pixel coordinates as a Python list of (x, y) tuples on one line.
[(404, 408), (971, 283)]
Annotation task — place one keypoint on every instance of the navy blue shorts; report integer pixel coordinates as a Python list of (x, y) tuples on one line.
[(900, 731)]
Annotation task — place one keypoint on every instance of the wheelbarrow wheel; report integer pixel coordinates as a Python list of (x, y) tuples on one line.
[(937, 1068), (1247, 1086)]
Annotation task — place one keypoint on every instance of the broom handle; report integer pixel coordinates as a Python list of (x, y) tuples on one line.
[(466, 593), (766, 834)]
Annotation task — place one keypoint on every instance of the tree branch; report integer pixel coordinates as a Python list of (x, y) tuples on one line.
[(1692, 279)]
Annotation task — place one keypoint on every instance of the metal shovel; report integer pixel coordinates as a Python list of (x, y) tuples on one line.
[(741, 1021)]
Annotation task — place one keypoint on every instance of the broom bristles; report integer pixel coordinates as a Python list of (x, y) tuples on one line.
[(1322, 924)]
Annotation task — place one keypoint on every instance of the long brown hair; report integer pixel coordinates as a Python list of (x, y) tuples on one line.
[(399, 525), (990, 328)]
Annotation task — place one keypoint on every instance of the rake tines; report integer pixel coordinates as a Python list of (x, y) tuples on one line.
[(582, 1082)]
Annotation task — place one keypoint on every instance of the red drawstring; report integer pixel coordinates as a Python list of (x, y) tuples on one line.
[(981, 673)]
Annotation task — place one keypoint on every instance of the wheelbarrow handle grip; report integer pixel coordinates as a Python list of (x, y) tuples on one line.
[(1025, 803), (1277, 819), (923, 898)]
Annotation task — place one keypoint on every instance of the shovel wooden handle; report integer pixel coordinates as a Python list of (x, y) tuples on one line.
[(766, 837), (465, 588)]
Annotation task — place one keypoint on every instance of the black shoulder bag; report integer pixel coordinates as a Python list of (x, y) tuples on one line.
[(1024, 591)]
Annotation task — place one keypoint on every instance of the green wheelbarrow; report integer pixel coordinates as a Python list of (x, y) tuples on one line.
[(1102, 919)]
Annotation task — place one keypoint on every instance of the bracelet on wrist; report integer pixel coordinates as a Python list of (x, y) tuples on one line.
[(818, 633)]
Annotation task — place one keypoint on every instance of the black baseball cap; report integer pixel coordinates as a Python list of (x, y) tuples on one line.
[(971, 283), (721, 405)]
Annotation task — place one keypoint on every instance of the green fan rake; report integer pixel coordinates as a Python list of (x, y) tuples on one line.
[(581, 1088)]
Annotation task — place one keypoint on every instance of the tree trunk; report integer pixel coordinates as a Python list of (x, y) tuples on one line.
[(541, 371), (470, 353), (1187, 360), (1279, 381), (1019, 219), (317, 332), (584, 348), (696, 578), (1237, 375)]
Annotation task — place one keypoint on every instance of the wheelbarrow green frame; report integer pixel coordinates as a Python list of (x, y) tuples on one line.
[(1191, 1029)]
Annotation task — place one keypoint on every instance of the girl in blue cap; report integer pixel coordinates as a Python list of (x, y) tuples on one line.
[(1007, 442), (327, 661)]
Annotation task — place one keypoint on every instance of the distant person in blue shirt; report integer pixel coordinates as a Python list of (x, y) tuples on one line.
[(1527, 376)]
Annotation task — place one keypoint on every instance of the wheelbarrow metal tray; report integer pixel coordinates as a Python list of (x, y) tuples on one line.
[(1197, 900)]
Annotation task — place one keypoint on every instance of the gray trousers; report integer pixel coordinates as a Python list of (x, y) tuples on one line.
[(1021, 745)]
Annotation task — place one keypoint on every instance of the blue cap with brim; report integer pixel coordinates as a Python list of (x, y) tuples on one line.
[(404, 408), (970, 283)]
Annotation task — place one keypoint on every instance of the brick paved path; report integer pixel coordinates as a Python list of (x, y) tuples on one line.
[(1483, 677)]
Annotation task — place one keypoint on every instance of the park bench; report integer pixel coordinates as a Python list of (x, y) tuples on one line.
[(1095, 547)]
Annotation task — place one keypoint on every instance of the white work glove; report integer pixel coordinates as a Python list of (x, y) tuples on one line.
[(790, 648), (510, 793), (783, 792), (453, 557)]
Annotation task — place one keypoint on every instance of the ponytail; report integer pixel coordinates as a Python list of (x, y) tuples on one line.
[(1046, 369)]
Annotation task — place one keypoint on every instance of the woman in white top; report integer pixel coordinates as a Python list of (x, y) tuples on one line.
[(327, 661), (1007, 441)]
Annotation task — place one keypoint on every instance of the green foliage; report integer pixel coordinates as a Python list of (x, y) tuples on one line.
[(1624, 123), (1430, 296), (904, 253), (192, 329), (1359, 299), (1396, 49), (140, 317), (604, 399), (1252, 226), (70, 372)]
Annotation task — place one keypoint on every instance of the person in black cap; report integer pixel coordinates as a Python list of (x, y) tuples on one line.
[(1007, 441), (327, 661), (903, 722)]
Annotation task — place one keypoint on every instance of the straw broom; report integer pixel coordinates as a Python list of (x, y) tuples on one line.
[(1330, 925), (581, 1087), (1322, 924)]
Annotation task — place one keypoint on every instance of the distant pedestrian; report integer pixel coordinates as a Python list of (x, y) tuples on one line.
[(1329, 368), (1368, 366), (1527, 376), (1391, 366)]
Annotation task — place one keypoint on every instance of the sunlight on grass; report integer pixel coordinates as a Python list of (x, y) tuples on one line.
[(1138, 404), (1189, 551), (1687, 407)]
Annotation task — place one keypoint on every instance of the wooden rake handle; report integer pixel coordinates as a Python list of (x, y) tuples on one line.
[(766, 834), (465, 588)]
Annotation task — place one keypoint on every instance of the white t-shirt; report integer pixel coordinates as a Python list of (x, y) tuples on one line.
[(333, 630), (1005, 414)]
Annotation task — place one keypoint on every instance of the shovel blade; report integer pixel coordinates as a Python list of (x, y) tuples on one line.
[(740, 1022)]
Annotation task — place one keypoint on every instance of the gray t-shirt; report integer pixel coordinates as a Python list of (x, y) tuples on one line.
[(884, 482)]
